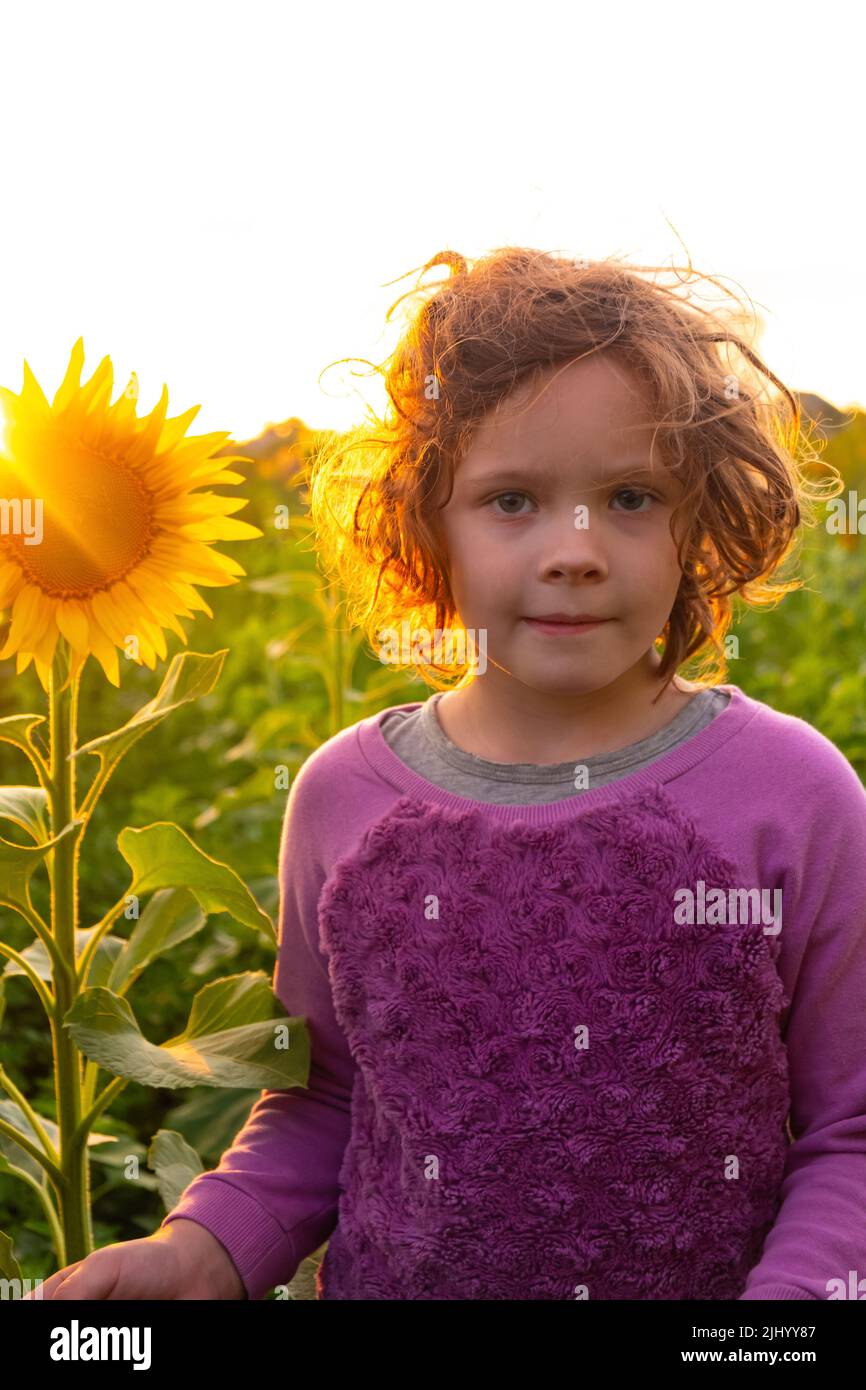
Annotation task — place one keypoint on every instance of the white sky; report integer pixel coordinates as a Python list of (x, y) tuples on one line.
[(215, 194)]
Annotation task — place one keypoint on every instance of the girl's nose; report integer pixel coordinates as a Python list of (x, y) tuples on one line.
[(574, 543)]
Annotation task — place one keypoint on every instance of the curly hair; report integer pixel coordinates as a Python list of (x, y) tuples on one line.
[(503, 320)]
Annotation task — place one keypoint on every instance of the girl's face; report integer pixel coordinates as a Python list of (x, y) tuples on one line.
[(520, 544)]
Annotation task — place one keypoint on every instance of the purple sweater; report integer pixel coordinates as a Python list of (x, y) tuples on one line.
[(535, 1074)]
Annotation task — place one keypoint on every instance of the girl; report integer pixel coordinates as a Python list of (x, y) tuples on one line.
[(581, 945)]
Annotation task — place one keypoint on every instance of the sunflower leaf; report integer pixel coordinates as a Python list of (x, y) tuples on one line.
[(13, 1153), (170, 917), (27, 806), (107, 952), (17, 729), (162, 855), (190, 676), (243, 1047), (175, 1163), (9, 1266), (17, 863)]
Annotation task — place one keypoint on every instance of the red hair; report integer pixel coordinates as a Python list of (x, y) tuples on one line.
[(503, 320)]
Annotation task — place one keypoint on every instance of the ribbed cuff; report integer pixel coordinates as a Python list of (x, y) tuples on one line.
[(261, 1251), (775, 1291)]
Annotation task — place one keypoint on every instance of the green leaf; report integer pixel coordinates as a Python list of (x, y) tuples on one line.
[(171, 916), (220, 947), (9, 1267), (13, 1153), (163, 856), (189, 676), (308, 587), (272, 729), (243, 1052), (17, 729), (175, 1163), (231, 1003), (115, 1159), (17, 863), (27, 806), (107, 954), (256, 791), (302, 1286), (38, 959)]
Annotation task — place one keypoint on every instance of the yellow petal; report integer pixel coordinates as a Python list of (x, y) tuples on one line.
[(71, 382), (174, 429), (193, 599), (105, 653), (198, 508), (106, 617), (227, 475), (44, 649), (73, 624), (33, 391), (125, 606), (172, 622), (97, 391), (145, 647), (154, 636), (220, 529), (30, 617), (44, 674), (151, 594), (146, 443), (11, 583)]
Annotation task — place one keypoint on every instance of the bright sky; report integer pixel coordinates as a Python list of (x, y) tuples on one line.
[(215, 195)]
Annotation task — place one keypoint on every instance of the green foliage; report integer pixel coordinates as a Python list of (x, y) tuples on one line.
[(805, 657), (220, 767), (205, 788)]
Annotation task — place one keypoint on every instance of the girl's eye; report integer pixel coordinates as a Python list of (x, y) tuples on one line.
[(634, 492), (628, 492), (506, 495)]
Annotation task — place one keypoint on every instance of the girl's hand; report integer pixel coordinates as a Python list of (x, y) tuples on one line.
[(179, 1261)]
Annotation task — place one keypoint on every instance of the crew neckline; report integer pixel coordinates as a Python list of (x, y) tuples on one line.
[(677, 730), (738, 712)]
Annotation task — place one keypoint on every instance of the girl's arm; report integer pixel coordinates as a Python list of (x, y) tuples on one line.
[(272, 1200), (817, 1245)]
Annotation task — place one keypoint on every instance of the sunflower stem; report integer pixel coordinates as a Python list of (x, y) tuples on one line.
[(74, 1163)]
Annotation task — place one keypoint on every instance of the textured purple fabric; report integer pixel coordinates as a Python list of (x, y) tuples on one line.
[(529, 1080), (555, 1167)]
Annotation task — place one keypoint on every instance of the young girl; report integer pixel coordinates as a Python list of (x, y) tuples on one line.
[(581, 945)]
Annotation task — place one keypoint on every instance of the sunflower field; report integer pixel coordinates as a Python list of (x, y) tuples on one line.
[(151, 714), (187, 718)]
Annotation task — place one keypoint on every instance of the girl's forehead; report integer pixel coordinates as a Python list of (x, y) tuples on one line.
[(594, 390)]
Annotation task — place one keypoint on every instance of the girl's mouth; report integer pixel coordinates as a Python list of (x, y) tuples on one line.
[(558, 629)]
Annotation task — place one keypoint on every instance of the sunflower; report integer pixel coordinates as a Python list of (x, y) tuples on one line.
[(123, 535)]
